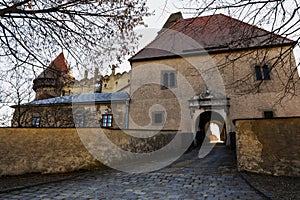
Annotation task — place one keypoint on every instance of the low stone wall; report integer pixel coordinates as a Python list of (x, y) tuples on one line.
[(51, 150), (269, 146), (54, 150)]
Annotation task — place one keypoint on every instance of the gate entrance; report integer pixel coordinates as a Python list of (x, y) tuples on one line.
[(210, 113), (211, 125)]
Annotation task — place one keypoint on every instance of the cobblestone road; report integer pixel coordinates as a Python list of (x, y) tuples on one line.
[(213, 177)]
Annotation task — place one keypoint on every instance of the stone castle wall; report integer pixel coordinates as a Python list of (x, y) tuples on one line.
[(110, 83), (55, 150), (32, 150), (269, 146)]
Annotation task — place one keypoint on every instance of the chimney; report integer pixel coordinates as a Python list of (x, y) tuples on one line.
[(113, 70), (96, 73), (86, 74), (175, 17)]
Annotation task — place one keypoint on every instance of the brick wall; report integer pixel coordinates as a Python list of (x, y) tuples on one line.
[(269, 146)]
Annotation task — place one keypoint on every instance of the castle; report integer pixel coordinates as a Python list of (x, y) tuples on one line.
[(197, 73), (56, 89)]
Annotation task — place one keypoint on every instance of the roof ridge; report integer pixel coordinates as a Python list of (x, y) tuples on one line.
[(212, 15)]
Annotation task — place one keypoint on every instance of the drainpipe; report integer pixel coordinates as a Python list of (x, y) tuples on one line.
[(127, 114)]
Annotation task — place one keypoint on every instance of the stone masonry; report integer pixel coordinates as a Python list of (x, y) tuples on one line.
[(270, 146)]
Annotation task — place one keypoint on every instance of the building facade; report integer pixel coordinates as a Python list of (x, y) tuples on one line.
[(80, 110), (209, 71), (63, 101)]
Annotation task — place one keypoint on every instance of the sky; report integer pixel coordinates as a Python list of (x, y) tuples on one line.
[(161, 10)]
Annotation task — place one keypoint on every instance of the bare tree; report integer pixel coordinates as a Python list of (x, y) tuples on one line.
[(16, 89), (281, 17), (32, 31)]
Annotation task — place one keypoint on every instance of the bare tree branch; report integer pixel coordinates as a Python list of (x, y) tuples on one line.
[(33, 32)]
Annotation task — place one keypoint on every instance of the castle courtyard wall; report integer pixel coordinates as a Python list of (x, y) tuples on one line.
[(269, 146), (56, 150)]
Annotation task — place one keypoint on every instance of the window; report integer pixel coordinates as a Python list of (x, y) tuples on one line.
[(262, 72), (168, 79), (172, 80), (79, 121), (107, 120), (36, 122), (158, 118), (268, 114)]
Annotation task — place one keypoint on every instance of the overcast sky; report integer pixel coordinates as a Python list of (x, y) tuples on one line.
[(161, 10)]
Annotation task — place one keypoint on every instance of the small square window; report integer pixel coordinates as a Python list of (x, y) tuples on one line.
[(36, 122), (158, 118), (268, 114), (107, 120), (262, 72)]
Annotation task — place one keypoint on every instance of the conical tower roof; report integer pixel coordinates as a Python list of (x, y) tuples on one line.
[(51, 81), (58, 66)]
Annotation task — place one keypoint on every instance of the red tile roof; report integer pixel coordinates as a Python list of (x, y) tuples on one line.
[(60, 63), (57, 67), (213, 33)]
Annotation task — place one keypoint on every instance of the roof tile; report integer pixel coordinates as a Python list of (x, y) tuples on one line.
[(208, 34)]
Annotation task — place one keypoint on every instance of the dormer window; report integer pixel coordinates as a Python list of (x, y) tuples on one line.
[(262, 72)]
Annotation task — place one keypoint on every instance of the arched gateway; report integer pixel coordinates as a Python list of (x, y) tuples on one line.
[(210, 114)]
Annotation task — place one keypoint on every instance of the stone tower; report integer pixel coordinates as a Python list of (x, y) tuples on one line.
[(56, 80)]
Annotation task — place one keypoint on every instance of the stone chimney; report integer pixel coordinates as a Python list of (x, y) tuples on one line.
[(96, 73), (86, 74), (113, 69), (175, 17)]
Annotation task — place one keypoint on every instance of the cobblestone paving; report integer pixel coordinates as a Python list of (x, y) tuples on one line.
[(213, 177)]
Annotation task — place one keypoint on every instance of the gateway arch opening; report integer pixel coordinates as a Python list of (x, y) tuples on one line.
[(211, 125)]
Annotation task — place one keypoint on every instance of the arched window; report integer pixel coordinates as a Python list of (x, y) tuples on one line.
[(168, 79)]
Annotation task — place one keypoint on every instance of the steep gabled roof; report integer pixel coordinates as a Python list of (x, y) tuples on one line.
[(209, 34)]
